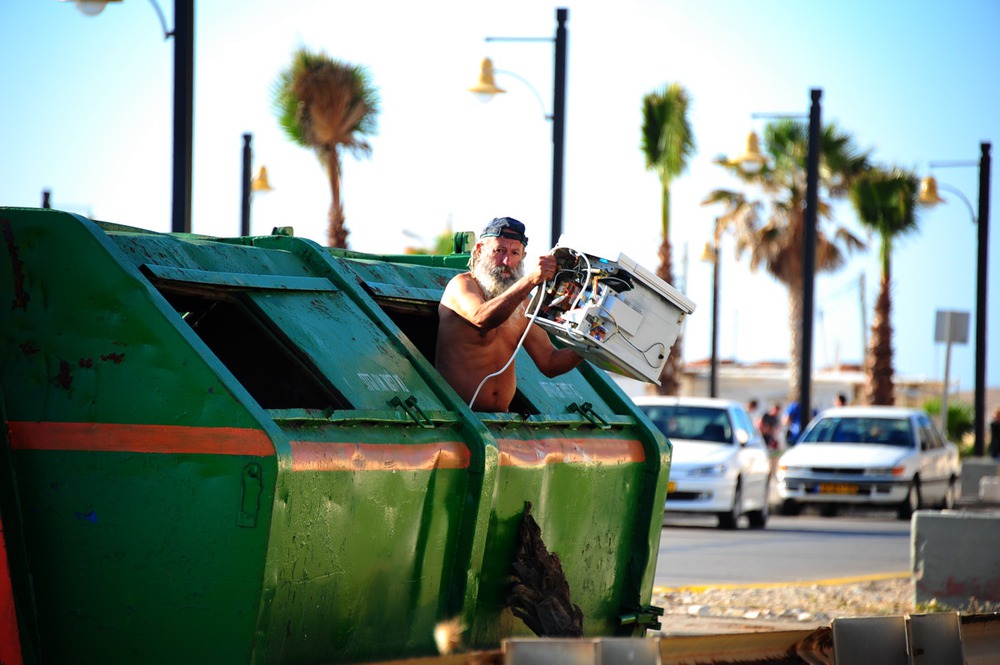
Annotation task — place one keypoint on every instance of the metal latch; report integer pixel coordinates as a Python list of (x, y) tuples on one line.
[(587, 411), (647, 615), (412, 410)]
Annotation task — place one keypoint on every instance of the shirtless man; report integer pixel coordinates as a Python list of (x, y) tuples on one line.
[(482, 319)]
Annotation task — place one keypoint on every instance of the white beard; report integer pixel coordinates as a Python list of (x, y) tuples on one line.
[(494, 280)]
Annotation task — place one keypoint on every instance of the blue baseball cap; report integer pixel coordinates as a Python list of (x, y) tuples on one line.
[(505, 227)]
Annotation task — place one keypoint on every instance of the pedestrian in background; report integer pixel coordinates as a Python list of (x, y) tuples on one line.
[(768, 426)]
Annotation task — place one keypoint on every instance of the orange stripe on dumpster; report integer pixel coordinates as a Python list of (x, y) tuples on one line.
[(517, 452), (130, 438), (313, 456)]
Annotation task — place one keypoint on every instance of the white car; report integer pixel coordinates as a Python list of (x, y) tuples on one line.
[(719, 463), (875, 455)]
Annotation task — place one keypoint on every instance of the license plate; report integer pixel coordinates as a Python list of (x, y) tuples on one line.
[(838, 488), (671, 486)]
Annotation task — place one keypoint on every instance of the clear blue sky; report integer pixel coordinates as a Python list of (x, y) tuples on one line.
[(87, 114)]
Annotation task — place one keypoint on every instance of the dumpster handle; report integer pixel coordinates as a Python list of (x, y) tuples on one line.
[(587, 411), (410, 406), (647, 615), (250, 497)]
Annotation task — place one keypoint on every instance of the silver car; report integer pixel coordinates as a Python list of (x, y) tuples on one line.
[(875, 456), (719, 464)]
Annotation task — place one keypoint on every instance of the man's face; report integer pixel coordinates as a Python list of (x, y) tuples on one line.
[(498, 265)]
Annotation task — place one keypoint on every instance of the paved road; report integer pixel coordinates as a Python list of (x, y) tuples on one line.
[(693, 552)]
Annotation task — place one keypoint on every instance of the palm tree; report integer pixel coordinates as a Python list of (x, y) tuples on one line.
[(776, 243), (668, 144), (325, 104), (886, 201)]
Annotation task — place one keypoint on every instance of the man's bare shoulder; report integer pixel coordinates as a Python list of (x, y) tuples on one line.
[(462, 293)]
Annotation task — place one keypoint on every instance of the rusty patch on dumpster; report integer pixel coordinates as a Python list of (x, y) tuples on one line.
[(116, 358), (21, 297), (65, 378), (28, 349)]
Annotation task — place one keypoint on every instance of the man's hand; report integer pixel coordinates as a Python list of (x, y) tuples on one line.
[(544, 270)]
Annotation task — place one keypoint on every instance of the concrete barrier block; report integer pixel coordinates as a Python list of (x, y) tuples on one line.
[(973, 470), (989, 490), (954, 558)]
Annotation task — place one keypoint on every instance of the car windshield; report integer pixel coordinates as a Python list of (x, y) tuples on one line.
[(698, 423), (881, 431)]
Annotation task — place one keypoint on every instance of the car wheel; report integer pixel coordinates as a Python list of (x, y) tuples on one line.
[(758, 518), (730, 519), (791, 507), (911, 503), (950, 495)]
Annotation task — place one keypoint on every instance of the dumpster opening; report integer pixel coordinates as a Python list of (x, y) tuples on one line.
[(258, 354), (419, 322)]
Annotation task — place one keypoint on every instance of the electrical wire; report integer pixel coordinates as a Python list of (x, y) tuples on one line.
[(520, 342), (587, 272)]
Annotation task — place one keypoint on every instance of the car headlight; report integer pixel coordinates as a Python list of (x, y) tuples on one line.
[(705, 471)]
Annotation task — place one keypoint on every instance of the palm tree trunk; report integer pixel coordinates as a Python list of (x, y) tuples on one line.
[(879, 388), (336, 230), (669, 375), (795, 337)]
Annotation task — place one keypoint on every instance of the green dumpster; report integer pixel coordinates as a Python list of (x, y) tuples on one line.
[(238, 451)]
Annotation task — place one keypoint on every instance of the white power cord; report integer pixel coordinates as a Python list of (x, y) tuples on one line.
[(531, 320)]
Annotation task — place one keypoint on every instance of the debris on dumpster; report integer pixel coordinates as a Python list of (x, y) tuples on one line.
[(540, 593)]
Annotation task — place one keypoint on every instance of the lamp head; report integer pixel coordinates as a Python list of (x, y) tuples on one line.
[(710, 254), (752, 160), (929, 192), (90, 7), (486, 87), (259, 182)]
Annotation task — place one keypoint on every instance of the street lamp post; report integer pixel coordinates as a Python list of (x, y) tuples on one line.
[(755, 159), (183, 114), (809, 257), (558, 117), (183, 35), (928, 196), (250, 185), (712, 255)]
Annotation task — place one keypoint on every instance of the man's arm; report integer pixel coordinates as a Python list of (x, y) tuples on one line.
[(462, 295), (549, 360)]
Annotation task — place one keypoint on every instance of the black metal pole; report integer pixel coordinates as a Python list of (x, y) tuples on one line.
[(982, 267), (183, 114), (46, 198), (809, 258), (245, 200), (713, 383), (559, 124)]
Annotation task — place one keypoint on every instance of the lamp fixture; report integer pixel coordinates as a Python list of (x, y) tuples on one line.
[(487, 87), (710, 254), (929, 196), (183, 36), (929, 192), (260, 183), (90, 7), (752, 160)]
